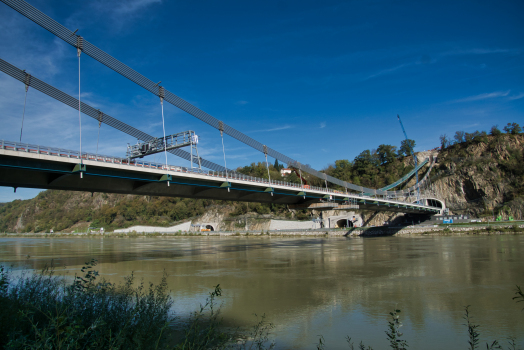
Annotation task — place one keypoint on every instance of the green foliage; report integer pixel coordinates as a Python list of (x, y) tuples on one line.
[(393, 333), (473, 335), (459, 136), (519, 295), (444, 141), (386, 154), (513, 128), (42, 311), (371, 168), (62, 210), (495, 131), (406, 147), (202, 331)]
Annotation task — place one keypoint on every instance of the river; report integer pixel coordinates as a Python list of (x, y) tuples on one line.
[(318, 286)]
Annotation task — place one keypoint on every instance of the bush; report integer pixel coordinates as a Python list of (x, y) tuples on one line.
[(43, 311)]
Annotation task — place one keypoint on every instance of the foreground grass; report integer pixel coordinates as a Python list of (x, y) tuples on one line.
[(44, 311)]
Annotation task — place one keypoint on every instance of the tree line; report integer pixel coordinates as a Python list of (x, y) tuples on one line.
[(476, 136)]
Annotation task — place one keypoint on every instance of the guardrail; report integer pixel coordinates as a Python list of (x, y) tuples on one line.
[(66, 153)]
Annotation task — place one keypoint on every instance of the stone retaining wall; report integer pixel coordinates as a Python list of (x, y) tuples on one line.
[(356, 232)]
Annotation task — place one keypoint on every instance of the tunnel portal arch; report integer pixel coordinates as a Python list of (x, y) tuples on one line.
[(343, 223)]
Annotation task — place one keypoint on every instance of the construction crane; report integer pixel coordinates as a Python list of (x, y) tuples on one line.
[(414, 157)]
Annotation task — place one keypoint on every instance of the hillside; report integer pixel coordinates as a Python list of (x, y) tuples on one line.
[(483, 176)]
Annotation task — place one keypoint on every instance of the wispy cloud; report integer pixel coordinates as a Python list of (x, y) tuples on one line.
[(322, 125), (242, 102), (131, 6), (278, 128), (426, 59), (477, 51), (127, 8), (122, 12), (389, 70), (484, 96), (516, 97)]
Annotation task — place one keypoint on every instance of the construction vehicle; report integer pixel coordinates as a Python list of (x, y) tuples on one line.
[(304, 181)]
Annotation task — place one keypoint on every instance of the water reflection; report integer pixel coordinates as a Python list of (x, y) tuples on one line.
[(312, 286)]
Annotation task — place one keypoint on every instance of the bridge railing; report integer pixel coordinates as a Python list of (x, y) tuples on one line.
[(66, 153)]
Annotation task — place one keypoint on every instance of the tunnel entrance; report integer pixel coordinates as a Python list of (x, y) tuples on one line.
[(343, 223), (434, 203), (209, 228)]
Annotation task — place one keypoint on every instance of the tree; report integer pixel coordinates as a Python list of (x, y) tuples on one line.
[(343, 170), (386, 153), (469, 137), (459, 136), (365, 160), (444, 142), (512, 128), (406, 147), (278, 166), (495, 130)]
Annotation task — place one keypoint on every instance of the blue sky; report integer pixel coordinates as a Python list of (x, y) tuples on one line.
[(315, 80)]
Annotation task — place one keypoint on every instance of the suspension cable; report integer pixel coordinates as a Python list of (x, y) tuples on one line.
[(267, 165), (161, 93), (100, 117), (221, 128), (27, 83), (79, 42)]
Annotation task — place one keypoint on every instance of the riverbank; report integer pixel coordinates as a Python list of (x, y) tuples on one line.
[(435, 230)]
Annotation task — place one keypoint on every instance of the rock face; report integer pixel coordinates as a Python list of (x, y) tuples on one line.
[(482, 179)]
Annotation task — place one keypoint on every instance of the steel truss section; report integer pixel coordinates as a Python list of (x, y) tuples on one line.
[(161, 144)]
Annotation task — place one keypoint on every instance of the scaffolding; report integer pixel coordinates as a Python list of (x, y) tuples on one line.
[(161, 144)]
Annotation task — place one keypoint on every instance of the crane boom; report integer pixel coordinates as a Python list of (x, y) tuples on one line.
[(412, 154)]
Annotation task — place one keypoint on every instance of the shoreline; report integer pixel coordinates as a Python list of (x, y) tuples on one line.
[(449, 230)]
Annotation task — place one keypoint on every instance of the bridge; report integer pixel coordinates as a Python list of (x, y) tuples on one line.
[(38, 166)]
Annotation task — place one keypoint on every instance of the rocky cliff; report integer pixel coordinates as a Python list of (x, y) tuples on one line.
[(482, 178)]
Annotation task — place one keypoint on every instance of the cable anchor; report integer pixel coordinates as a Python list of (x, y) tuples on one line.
[(79, 44), (27, 81), (161, 92)]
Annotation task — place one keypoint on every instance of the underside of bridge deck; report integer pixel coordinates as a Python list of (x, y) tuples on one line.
[(41, 172)]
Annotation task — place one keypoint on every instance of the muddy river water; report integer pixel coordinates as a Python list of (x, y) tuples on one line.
[(334, 287)]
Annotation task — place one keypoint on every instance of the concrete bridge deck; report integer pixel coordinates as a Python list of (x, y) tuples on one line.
[(34, 166)]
